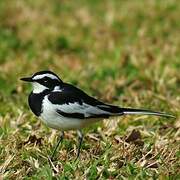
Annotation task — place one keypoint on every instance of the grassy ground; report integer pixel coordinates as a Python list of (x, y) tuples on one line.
[(123, 52)]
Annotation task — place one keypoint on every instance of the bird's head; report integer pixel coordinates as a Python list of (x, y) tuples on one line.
[(43, 80)]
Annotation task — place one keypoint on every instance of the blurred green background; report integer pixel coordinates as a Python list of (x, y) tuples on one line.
[(122, 52)]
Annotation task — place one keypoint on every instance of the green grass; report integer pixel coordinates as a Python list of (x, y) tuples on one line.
[(122, 52)]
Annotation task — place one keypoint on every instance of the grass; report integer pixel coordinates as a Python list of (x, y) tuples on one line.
[(122, 52)]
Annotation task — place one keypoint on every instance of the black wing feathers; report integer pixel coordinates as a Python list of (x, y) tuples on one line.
[(110, 108), (71, 115), (71, 94)]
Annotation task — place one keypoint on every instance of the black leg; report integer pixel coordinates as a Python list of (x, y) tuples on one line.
[(61, 136), (80, 139)]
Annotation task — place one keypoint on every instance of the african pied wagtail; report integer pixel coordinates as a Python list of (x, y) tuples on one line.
[(65, 107)]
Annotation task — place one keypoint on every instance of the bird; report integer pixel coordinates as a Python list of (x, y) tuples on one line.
[(63, 107)]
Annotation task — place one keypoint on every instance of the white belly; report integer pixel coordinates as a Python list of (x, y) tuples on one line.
[(63, 123), (56, 121)]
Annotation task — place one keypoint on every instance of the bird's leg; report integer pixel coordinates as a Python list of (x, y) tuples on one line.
[(80, 139), (61, 136)]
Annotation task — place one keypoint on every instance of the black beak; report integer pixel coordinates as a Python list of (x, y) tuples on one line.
[(27, 79)]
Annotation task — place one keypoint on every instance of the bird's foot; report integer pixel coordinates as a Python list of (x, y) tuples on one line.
[(54, 168)]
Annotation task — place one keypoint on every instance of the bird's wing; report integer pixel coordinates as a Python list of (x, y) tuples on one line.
[(72, 102)]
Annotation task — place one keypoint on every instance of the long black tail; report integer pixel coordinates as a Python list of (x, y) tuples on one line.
[(117, 111), (144, 112)]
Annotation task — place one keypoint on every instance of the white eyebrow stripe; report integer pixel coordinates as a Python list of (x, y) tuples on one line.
[(44, 75)]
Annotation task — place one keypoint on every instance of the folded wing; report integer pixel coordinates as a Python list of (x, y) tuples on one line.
[(73, 102)]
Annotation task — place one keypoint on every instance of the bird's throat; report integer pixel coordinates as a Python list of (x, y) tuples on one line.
[(38, 88)]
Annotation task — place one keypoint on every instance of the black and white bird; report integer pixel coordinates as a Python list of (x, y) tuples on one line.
[(63, 106)]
